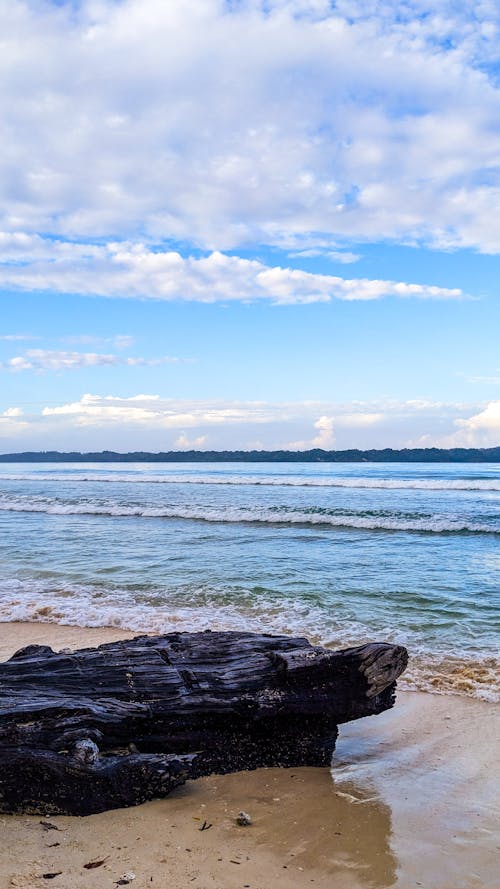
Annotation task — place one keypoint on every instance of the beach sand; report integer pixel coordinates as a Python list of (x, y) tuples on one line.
[(412, 802)]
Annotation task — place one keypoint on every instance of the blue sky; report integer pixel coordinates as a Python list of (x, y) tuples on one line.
[(249, 224)]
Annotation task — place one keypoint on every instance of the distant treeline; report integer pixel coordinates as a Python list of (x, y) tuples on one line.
[(315, 455)]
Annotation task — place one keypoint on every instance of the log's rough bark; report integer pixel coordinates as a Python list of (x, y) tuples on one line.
[(90, 730)]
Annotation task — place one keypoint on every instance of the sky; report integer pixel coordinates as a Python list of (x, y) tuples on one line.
[(249, 224)]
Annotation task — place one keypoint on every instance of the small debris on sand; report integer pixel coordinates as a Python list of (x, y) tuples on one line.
[(126, 879), (92, 864), (243, 819)]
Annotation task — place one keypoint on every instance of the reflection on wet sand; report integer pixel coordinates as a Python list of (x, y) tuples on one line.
[(303, 833), (308, 823), (433, 761)]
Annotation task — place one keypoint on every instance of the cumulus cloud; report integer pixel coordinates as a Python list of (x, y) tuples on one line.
[(480, 430), (135, 270), (50, 359), (326, 435), (187, 444), (359, 119), (349, 420)]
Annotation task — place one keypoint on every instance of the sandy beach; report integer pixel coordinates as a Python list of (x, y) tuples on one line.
[(411, 801)]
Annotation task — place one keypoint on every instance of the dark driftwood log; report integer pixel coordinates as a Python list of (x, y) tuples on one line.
[(112, 726)]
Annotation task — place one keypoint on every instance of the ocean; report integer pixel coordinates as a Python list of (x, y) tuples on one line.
[(340, 553)]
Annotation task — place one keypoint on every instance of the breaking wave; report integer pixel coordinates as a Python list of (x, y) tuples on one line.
[(396, 484), (473, 674), (373, 521)]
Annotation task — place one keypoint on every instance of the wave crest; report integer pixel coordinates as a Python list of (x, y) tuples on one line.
[(485, 484), (474, 674), (435, 524)]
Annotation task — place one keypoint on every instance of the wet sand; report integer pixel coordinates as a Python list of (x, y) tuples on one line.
[(411, 801)]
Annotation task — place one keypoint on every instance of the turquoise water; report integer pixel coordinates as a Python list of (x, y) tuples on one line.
[(341, 553)]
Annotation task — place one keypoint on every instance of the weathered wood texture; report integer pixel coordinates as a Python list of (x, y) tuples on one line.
[(89, 730)]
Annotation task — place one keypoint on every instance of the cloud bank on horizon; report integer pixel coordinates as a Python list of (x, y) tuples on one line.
[(243, 154), (172, 423)]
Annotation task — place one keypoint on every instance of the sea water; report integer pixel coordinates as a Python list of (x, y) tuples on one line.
[(340, 553)]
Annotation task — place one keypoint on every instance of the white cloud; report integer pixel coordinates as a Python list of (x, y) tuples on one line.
[(151, 422), (94, 410), (326, 435), (253, 122), (17, 337), (165, 413), (324, 438), (187, 444), (50, 359), (11, 424), (119, 341), (134, 270), (123, 341), (481, 430), (326, 426), (342, 256), (490, 380), (323, 418), (361, 420)]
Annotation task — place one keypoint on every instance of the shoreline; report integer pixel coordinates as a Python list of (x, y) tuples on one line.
[(412, 801), (475, 678)]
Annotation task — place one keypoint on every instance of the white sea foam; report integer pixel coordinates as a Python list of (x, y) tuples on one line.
[(269, 516), (472, 674), (396, 484)]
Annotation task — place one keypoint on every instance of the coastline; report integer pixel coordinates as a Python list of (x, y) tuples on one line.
[(313, 455), (412, 802)]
